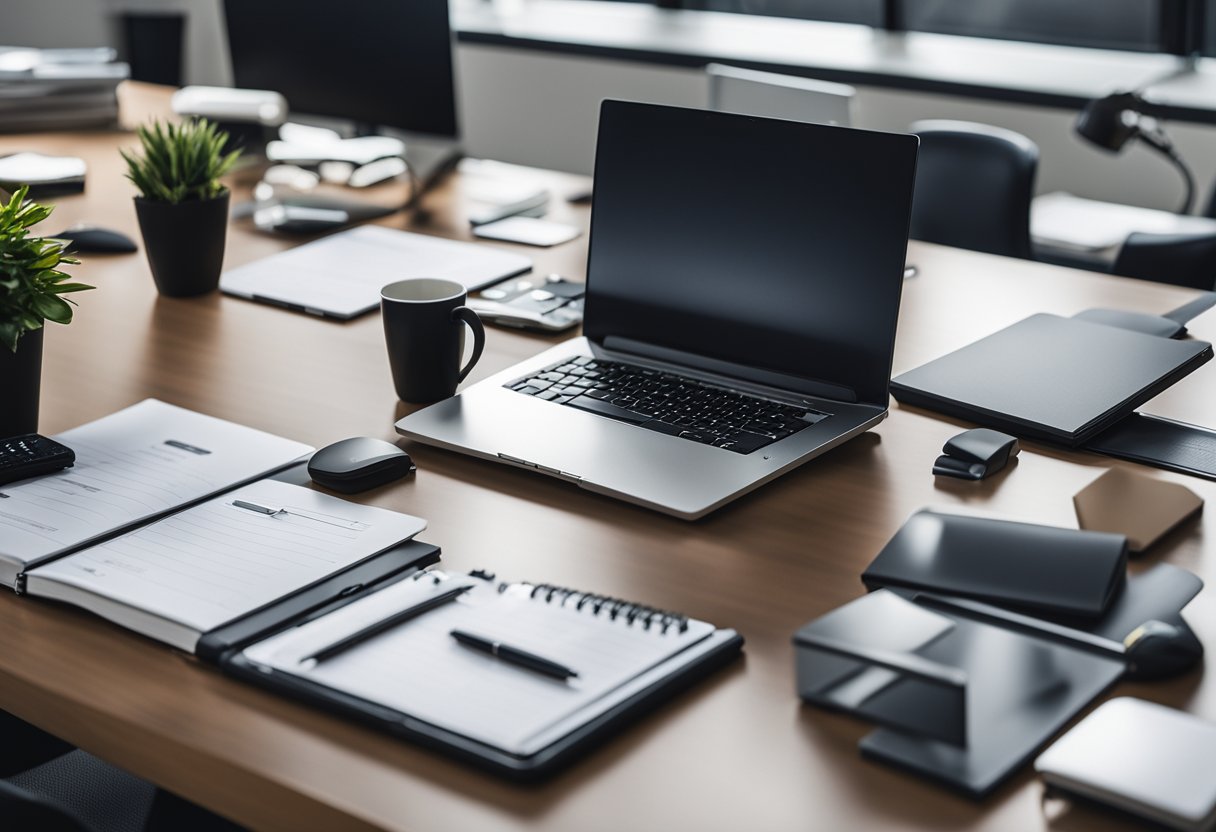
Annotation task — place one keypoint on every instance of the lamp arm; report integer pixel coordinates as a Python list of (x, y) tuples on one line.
[(1156, 138)]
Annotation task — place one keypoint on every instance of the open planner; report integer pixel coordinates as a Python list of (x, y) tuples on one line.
[(131, 466), (164, 526), (418, 678), (196, 570)]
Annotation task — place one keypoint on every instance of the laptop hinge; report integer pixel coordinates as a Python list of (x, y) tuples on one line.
[(767, 378)]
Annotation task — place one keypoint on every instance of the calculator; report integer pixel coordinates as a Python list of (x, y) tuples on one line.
[(31, 455), (541, 304)]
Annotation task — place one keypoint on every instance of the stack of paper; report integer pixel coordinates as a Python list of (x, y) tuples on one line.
[(58, 89)]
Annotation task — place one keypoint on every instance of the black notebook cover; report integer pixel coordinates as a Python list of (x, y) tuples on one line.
[(1053, 378)]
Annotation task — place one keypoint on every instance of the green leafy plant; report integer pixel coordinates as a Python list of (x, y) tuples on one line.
[(30, 280), (180, 162)]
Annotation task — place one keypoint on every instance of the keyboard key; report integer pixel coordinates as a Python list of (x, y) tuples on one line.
[(547, 395), (608, 409), (663, 427), (745, 443)]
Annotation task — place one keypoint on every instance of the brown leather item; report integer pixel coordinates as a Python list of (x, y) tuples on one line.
[(1141, 507)]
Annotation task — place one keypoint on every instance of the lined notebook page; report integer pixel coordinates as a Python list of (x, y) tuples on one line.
[(207, 565), (131, 465), (417, 668)]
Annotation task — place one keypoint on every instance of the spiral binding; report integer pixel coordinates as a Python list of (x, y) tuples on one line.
[(616, 607)]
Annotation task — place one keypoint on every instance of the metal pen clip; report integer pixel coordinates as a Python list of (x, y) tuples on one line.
[(353, 525)]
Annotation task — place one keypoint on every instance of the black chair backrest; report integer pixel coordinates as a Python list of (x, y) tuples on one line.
[(974, 184), (20, 809), (1180, 259)]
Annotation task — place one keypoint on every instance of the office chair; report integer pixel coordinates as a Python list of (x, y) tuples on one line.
[(1179, 259), (769, 95), (61, 789), (974, 184)]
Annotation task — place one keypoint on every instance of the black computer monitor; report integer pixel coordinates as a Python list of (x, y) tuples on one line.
[(378, 63)]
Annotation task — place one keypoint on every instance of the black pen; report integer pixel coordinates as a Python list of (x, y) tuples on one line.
[(513, 655), (383, 624)]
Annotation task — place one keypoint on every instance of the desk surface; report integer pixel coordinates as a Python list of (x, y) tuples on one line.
[(737, 752)]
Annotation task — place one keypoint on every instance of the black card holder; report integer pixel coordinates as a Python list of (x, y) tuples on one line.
[(1041, 569)]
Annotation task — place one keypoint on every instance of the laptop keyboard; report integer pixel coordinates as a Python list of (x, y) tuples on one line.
[(668, 403)]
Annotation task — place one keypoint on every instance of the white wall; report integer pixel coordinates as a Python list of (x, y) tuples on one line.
[(95, 23), (540, 108)]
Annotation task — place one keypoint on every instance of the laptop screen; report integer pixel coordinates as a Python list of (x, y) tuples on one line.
[(772, 245)]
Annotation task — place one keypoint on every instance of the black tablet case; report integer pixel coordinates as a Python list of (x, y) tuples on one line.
[(1052, 378)]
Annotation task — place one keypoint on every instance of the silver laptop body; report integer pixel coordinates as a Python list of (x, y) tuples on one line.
[(840, 316)]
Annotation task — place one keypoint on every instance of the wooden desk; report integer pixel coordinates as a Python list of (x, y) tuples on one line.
[(738, 752)]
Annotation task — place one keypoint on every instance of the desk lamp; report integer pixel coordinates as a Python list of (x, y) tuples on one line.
[(1112, 121)]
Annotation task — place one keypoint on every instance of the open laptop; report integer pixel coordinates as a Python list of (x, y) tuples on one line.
[(743, 285)]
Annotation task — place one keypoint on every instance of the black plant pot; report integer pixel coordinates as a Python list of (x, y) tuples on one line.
[(20, 380), (185, 243)]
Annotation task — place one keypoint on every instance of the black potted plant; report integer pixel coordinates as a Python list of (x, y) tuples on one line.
[(182, 206), (30, 289)]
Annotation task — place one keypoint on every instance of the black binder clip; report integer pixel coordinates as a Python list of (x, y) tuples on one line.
[(975, 454)]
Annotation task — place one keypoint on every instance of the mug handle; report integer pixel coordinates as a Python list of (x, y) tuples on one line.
[(464, 313)]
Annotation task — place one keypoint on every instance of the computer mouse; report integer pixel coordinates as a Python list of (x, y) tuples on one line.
[(1157, 650), (358, 464), (94, 240)]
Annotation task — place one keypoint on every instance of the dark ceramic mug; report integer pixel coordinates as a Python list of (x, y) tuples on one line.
[(424, 323)]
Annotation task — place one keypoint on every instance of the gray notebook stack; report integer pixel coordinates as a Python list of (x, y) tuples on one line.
[(58, 89)]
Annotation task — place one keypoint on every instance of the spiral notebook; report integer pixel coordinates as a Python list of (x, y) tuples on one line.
[(417, 679)]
